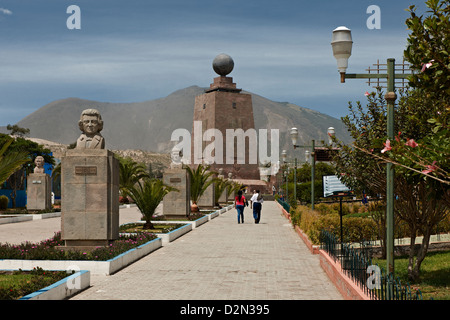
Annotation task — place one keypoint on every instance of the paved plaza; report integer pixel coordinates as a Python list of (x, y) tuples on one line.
[(219, 260)]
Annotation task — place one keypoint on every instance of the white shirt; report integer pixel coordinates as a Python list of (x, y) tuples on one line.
[(255, 198)]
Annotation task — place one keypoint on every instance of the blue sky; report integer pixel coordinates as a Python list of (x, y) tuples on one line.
[(138, 50)]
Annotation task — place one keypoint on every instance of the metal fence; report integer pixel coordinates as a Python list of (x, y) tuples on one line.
[(284, 204), (356, 263)]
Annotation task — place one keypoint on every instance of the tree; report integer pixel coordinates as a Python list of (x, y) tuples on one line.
[(420, 151), (130, 172), (201, 179), (32, 149), (220, 186), (15, 130), (148, 193), (233, 187), (10, 162)]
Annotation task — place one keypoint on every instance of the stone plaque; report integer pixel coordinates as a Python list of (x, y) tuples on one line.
[(86, 170), (175, 180)]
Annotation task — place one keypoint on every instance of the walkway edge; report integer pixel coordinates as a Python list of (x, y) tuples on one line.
[(348, 289)]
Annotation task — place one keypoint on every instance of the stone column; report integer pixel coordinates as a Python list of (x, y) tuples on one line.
[(177, 204), (39, 192)]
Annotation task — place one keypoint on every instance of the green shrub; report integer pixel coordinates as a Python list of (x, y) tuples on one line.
[(4, 202), (312, 222)]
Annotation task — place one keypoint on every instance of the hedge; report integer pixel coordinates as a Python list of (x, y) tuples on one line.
[(355, 229)]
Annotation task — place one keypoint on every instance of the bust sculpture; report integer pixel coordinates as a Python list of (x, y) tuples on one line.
[(39, 162), (176, 156), (90, 124)]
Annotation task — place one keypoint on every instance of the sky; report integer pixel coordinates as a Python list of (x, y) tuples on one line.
[(139, 50)]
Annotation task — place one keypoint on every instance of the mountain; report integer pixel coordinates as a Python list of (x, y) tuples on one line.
[(148, 125)]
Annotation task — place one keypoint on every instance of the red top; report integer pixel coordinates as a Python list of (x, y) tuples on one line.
[(241, 201)]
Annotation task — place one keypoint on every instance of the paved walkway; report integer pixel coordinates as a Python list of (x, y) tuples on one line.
[(220, 260)]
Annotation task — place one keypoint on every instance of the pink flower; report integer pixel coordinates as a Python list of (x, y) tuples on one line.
[(366, 94), (427, 65), (431, 168), (411, 143), (387, 146)]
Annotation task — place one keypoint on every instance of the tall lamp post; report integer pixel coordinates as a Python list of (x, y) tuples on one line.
[(342, 49), (294, 138)]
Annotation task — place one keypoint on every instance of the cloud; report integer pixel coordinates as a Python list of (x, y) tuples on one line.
[(5, 11)]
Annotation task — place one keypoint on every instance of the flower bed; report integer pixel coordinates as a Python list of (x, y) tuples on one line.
[(51, 249), (169, 231), (103, 260)]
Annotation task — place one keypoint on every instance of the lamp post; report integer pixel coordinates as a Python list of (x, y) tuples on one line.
[(294, 138), (342, 48), (284, 157), (286, 178)]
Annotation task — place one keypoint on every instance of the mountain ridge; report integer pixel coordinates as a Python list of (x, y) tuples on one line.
[(148, 125)]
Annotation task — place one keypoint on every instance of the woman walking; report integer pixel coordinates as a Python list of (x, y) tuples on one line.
[(239, 202)]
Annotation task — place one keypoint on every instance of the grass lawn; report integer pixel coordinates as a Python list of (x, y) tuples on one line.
[(434, 274)]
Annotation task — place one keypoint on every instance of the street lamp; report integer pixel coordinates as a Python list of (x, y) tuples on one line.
[(342, 44), (284, 155), (331, 134), (294, 138)]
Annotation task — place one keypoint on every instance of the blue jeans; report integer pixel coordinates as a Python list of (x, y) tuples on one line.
[(257, 211), (240, 212)]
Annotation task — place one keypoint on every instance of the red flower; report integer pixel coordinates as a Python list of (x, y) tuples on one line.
[(430, 168), (411, 143)]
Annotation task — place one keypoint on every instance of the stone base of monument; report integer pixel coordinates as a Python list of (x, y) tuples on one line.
[(39, 192), (176, 204), (206, 201), (89, 198), (85, 245)]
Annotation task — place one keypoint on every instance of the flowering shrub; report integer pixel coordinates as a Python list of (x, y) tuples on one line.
[(51, 249), (16, 284)]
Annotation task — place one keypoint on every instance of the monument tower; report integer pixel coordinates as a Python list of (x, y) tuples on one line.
[(222, 107)]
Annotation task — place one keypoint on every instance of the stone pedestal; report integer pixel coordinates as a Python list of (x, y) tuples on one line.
[(177, 204), (223, 197), (90, 198), (206, 201), (39, 191)]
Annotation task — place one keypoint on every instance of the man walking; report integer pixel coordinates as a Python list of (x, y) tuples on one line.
[(256, 202)]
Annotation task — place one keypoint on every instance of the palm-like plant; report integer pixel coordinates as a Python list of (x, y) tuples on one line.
[(148, 193), (10, 162), (200, 181), (220, 185), (233, 187), (130, 172)]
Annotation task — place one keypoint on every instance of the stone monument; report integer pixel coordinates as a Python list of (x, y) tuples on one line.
[(223, 106), (223, 197), (39, 188), (90, 188), (177, 203)]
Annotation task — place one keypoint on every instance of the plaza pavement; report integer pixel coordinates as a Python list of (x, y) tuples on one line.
[(219, 260)]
